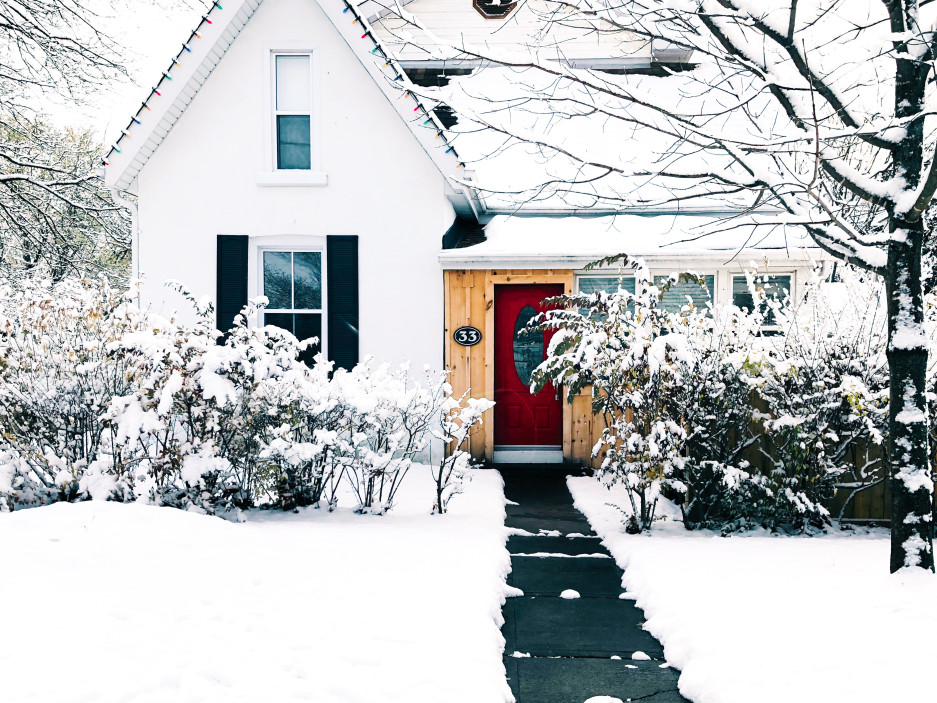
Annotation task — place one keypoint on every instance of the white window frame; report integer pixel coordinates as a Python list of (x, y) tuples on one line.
[(291, 243), (271, 175)]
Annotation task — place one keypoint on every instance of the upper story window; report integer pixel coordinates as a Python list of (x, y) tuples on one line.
[(293, 111)]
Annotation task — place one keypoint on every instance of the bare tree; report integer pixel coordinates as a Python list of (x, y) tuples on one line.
[(54, 210), (819, 109)]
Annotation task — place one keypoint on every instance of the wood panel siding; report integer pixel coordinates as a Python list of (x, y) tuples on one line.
[(470, 301)]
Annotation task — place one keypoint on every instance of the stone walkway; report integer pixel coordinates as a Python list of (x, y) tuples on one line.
[(560, 650)]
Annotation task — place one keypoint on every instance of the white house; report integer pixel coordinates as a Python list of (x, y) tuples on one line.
[(281, 154)]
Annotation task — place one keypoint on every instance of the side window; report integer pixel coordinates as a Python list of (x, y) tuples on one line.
[(292, 111), (292, 283), (609, 284), (774, 285), (684, 293)]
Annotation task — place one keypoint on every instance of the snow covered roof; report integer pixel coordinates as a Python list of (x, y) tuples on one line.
[(207, 45), (574, 241)]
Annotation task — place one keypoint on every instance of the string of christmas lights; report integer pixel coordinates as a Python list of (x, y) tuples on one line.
[(389, 62), (144, 106), (399, 75)]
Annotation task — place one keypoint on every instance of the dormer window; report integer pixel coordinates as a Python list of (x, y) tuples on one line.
[(293, 109), (494, 9)]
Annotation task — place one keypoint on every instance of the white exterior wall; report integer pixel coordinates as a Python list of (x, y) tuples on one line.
[(458, 23), (203, 181)]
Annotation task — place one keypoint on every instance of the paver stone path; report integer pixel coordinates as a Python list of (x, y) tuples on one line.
[(569, 649)]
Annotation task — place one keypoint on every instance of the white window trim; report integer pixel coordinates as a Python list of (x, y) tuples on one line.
[(272, 176), (290, 242)]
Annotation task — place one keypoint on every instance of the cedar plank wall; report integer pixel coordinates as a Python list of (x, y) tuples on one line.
[(470, 301)]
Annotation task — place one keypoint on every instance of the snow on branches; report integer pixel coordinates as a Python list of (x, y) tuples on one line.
[(746, 417), (101, 400)]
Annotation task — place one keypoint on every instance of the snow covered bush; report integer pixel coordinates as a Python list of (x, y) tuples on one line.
[(456, 419), (740, 424), (635, 356), (191, 433), (824, 382), (58, 375), (389, 417), (100, 400)]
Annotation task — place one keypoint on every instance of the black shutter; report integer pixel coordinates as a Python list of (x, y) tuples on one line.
[(342, 264), (231, 284)]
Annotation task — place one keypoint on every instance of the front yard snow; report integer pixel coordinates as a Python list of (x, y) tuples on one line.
[(112, 602), (775, 619)]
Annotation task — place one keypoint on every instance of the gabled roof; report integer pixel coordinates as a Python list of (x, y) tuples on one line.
[(207, 45)]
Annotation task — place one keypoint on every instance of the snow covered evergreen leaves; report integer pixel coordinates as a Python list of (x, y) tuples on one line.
[(101, 400), (748, 423)]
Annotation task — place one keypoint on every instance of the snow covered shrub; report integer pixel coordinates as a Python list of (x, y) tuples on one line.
[(824, 384), (716, 405), (101, 400), (59, 372), (193, 431), (304, 458), (388, 418), (712, 407), (635, 356), (456, 418)]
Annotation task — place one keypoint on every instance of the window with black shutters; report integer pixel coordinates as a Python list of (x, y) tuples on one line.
[(292, 283)]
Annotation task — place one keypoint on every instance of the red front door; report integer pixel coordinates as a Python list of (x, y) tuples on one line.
[(522, 418)]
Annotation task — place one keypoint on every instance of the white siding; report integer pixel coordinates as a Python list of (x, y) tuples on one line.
[(458, 23), (202, 181)]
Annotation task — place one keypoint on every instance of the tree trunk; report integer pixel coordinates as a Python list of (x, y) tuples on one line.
[(912, 513)]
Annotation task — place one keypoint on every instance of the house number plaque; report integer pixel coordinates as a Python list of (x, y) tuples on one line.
[(467, 336)]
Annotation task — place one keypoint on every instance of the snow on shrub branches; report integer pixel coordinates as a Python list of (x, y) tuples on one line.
[(99, 399), (748, 418)]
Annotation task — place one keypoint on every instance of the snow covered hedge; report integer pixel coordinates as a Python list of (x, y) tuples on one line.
[(100, 399), (743, 423)]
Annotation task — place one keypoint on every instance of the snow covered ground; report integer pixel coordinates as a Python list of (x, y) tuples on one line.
[(776, 619), (110, 602)]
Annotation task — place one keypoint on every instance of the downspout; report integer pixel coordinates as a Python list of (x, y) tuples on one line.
[(131, 205)]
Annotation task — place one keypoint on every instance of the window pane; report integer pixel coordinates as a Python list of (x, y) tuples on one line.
[(302, 326), (307, 280), (528, 347), (779, 286), (675, 298), (278, 279), (293, 143), (293, 83), (306, 325), (609, 284), (283, 320)]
